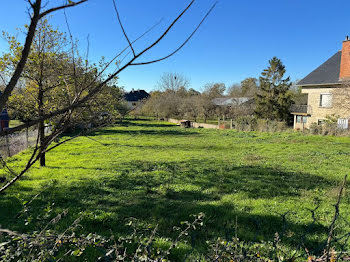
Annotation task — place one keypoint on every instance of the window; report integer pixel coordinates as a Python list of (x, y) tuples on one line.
[(302, 119), (326, 100)]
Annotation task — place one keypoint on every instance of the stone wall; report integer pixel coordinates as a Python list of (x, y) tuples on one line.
[(316, 112), (194, 124)]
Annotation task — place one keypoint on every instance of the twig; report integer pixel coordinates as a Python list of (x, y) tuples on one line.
[(122, 27), (335, 217), (182, 45)]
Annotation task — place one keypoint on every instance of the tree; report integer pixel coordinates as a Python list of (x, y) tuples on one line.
[(152, 105), (123, 109), (235, 90), (173, 99), (37, 13), (297, 96), (170, 97), (193, 92), (211, 91), (47, 65), (89, 84), (48, 77), (214, 90), (191, 106), (273, 99), (169, 104), (173, 82), (249, 87)]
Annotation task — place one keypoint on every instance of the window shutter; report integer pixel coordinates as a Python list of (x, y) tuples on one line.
[(326, 100)]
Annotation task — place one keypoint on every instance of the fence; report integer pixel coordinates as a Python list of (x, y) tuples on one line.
[(225, 124), (17, 142)]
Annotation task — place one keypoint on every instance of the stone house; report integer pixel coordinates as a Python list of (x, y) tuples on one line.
[(324, 88)]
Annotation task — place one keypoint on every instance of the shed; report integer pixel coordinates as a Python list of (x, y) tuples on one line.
[(185, 123)]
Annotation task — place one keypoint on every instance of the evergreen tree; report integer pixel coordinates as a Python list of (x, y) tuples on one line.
[(273, 99)]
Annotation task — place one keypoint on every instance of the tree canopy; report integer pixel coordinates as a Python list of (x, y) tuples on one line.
[(273, 99)]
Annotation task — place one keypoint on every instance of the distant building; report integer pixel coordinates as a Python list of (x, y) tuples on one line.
[(232, 101), (234, 106), (135, 97)]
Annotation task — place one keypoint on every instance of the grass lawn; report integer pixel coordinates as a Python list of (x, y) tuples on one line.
[(14, 123), (161, 174)]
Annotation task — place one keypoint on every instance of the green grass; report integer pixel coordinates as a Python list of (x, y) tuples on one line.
[(161, 174), (14, 123)]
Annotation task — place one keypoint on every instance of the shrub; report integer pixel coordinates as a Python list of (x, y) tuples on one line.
[(245, 123), (265, 125), (315, 129)]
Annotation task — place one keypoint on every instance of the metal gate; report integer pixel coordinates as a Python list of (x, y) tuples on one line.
[(343, 123)]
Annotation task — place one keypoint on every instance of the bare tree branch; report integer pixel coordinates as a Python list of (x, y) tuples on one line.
[(36, 6), (93, 87), (61, 7), (25, 53), (122, 27), (126, 48), (72, 49), (93, 91), (183, 44), (166, 31), (335, 217)]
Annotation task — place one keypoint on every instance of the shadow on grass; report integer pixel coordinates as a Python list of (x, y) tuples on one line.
[(159, 132), (146, 123), (166, 193)]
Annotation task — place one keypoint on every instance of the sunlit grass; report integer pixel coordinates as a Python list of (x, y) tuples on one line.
[(14, 123), (161, 174)]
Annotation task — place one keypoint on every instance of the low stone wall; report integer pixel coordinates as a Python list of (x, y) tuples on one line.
[(172, 120), (194, 124)]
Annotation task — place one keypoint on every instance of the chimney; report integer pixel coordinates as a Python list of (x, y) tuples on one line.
[(345, 60)]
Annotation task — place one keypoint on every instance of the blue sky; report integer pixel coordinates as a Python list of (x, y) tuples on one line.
[(235, 42)]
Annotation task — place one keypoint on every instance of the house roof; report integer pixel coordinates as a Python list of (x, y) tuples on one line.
[(327, 73), (136, 95)]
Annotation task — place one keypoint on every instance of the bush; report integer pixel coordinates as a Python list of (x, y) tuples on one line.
[(245, 123), (315, 129), (328, 128), (141, 244), (250, 123)]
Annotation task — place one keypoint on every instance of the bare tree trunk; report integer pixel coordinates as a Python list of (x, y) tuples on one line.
[(41, 126), (27, 137), (8, 146), (42, 139)]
